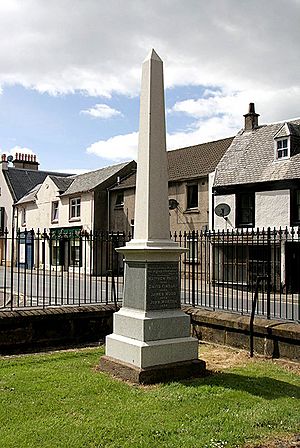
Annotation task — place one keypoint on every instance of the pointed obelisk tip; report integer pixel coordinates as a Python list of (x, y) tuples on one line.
[(153, 55)]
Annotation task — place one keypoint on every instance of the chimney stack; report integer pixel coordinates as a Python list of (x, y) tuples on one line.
[(251, 118), (4, 164), (25, 161)]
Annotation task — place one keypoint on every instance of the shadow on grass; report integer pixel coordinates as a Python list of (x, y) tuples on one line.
[(261, 386)]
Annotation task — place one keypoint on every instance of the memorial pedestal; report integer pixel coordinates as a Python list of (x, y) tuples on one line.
[(151, 340)]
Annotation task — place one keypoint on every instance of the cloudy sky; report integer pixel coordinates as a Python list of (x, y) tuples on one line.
[(70, 72)]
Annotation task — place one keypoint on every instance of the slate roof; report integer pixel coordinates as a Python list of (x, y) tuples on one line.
[(30, 196), (190, 162), (196, 161), (62, 183), (89, 181), (21, 181), (250, 158)]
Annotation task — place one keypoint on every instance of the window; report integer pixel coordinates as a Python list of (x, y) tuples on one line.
[(75, 252), (295, 207), (2, 220), (23, 216), (282, 148), (230, 264), (192, 196), (192, 246), (132, 227), (55, 252), (120, 199), (74, 208), (54, 211), (245, 209)]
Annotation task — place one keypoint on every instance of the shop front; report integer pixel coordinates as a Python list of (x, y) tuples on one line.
[(66, 247)]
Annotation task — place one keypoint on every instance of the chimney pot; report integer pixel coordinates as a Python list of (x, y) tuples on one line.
[(251, 108), (34, 158), (3, 157), (251, 118)]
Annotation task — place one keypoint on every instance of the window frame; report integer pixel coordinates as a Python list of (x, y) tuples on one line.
[(23, 216), (75, 248), (189, 196), (54, 216), (239, 223), (282, 149), (192, 246), (119, 203), (75, 204)]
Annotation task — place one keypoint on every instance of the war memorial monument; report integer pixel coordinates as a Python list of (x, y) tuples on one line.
[(151, 339)]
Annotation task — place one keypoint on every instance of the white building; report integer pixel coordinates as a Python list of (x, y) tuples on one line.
[(17, 177), (58, 219), (257, 185)]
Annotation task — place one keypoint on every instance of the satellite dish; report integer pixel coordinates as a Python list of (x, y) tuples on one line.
[(173, 204), (10, 158), (222, 210)]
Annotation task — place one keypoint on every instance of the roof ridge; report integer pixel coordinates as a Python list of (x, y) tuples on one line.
[(102, 169), (200, 144)]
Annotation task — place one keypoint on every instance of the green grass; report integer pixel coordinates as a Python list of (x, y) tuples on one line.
[(60, 400)]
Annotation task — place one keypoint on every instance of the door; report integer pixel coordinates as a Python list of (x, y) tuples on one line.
[(292, 260)]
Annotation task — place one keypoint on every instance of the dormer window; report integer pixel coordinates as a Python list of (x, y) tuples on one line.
[(282, 147), (282, 142)]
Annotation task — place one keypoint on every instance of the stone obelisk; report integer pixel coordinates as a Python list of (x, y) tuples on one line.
[(151, 339)]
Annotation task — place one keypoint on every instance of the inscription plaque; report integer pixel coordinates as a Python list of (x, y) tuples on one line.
[(162, 286)]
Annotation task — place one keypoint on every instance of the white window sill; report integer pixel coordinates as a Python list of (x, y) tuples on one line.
[(192, 210)]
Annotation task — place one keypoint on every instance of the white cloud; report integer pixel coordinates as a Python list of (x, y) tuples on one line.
[(124, 147), (245, 52), (118, 148), (97, 46), (101, 111), (17, 149), (275, 104)]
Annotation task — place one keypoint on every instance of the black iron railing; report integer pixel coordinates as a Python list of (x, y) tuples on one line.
[(219, 271)]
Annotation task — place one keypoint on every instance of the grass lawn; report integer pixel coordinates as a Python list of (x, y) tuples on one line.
[(60, 400)]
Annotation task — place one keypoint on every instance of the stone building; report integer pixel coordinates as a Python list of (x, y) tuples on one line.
[(189, 170)]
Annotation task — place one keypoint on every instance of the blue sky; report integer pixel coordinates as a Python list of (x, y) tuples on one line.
[(70, 73)]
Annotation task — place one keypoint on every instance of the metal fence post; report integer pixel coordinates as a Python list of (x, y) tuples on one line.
[(12, 267), (268, 273), (193, 267)]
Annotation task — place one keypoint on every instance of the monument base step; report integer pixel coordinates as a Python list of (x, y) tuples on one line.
[(155, 374)]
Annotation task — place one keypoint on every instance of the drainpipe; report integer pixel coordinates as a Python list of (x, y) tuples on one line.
[(108, 209), (213, 210)]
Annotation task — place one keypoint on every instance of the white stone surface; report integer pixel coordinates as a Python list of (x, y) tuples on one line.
[(219, 222), (152, 222), (146, 339), (151, 325), (149, 354), (272, 208)]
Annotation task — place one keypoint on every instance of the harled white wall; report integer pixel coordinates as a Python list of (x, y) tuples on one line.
[(272, 208)]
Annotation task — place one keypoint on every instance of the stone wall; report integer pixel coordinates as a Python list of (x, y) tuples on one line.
[(272, 338), (34, 330)]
